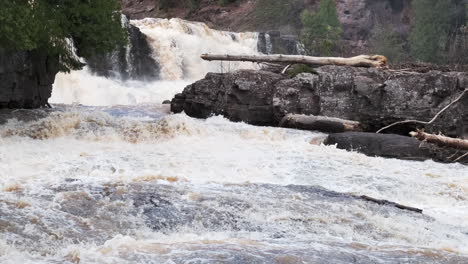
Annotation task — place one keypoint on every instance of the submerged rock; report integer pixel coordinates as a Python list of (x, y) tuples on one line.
[(383, 145), (373, 97), (392, 146)]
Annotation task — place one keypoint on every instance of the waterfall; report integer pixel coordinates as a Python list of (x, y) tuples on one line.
[(269, 45), (178, 44), (166, 48)]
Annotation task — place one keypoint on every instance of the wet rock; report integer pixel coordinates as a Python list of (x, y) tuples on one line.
[(240, 96), (382, 145), (26, 78), (373, 97)]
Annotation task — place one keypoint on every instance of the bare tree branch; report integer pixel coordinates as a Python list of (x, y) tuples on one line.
[(432, 120)]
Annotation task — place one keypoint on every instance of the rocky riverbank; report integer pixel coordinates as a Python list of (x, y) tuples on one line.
[(375, 98), (26, 78)]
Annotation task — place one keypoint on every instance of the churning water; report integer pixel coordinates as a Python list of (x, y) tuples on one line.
[(177, 46), (132, 183)]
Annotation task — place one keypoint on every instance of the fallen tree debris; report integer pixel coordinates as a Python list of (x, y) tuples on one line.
[(441, 141), (377, 61), (386, 202), (432, 120), (319, 123)]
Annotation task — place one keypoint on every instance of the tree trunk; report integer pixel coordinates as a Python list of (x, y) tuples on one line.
[(441, 140), (319, 123), (358, 61)]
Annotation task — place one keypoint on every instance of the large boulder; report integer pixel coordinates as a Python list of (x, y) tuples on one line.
[(373, 97), (26, 78)]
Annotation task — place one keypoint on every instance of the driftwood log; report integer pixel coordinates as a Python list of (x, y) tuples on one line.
[(386, 202), (441, 141), (319, 123), (377, 61)]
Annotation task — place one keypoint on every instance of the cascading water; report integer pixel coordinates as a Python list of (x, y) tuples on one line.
[(176, 45), (135, 184)]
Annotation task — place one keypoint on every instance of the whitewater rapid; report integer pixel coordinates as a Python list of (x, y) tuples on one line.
[(111, 176), (136, 185), (177, 45)]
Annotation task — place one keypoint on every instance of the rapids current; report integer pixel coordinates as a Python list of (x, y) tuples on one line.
[(122, 180)]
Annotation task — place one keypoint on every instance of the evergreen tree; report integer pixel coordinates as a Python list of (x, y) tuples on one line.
[(386, 41), (322, 31), (430, 29), (49, 26)]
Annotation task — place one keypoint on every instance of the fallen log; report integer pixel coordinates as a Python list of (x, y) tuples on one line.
[(319, 123), (377, 61), (441, 141), (386, 202)]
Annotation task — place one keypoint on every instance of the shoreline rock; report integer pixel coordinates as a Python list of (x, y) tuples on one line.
[(373, 97), (26, 78)]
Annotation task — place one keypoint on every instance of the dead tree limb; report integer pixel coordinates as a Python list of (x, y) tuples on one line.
[(461, 157), (441, 141), (385, 202), (357, 61), (432, 120)]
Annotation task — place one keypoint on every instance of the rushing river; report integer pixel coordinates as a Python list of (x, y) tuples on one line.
[(124, 181)]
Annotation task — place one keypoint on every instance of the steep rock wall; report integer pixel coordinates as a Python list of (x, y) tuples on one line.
[(26, 79)]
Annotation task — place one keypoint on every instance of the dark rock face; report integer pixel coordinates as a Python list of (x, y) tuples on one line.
[(240, 96), (133, 61), (373, 97), (26, 79)]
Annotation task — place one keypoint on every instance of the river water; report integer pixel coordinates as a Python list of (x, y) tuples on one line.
[(110, 176)]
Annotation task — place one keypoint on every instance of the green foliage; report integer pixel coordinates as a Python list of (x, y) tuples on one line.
[(276, 13), (165, 4), (385, 41), (430, 29), (300, 68), (49, 26), (322, 30), (226, 2)]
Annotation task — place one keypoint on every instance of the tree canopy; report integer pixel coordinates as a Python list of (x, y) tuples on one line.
[(430, 29), (54, 27), (322, 30)]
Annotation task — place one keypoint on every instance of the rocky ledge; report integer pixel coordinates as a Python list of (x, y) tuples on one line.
[(373, 97)]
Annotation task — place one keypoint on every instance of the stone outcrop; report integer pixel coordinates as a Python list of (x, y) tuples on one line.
[(373, 97), (26, 79)]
